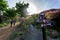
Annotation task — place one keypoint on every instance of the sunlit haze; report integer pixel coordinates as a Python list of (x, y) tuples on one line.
[(32, 9)]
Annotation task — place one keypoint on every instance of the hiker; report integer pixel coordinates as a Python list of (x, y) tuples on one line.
[(14, 22), (11, 21)]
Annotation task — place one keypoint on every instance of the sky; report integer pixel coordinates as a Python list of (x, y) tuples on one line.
[(37, 5)]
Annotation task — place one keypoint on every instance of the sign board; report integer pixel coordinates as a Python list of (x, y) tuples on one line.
[(45, 22), (42, 15)]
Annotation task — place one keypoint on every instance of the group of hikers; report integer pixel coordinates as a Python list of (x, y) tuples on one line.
[(13, 22)]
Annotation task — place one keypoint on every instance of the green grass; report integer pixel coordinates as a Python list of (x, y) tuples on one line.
[(13, 36), (16, 34), (3, 24)]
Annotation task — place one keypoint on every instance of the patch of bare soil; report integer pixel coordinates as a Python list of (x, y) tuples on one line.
[(6, 32)]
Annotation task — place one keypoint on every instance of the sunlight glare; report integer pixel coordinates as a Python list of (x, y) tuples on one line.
[(32, 9)]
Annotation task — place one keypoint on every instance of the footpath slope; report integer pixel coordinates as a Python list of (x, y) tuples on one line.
[(5, 32)]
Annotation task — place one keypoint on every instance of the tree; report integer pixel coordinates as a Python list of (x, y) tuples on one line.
[(11, 12), (3, 6), (21, 8)]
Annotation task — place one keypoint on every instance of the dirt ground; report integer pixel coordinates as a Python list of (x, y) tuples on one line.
[(5, 32)]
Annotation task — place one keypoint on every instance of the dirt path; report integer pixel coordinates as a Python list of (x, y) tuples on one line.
[(6, 32)]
